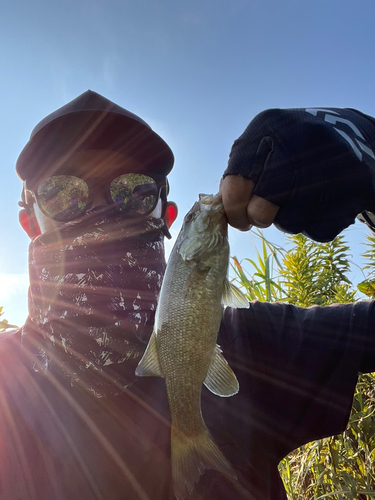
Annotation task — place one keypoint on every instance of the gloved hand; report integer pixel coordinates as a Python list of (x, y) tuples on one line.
[(310, 171)]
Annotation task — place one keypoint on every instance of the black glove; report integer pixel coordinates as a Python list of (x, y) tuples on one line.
[(317, 165)]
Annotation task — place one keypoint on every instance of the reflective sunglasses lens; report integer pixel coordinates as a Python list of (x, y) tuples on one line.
[(62, 197), (134, 193)]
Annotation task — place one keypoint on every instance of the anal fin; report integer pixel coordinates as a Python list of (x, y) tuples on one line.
[(149, 365)]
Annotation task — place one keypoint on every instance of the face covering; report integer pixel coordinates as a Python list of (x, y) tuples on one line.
[(93, 290)]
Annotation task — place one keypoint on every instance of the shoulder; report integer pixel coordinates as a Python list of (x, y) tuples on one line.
[(10, 350), (10, 338)]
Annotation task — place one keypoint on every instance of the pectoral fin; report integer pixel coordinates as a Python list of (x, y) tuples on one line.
[(220, 378), (149, 365), (233, 297)]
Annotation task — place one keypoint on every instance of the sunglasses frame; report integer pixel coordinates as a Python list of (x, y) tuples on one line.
[(160, 181)]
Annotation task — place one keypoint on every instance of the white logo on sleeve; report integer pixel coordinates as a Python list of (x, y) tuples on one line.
[(356, 142)]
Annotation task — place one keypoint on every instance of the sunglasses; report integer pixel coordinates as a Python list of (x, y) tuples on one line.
[(66, 197)]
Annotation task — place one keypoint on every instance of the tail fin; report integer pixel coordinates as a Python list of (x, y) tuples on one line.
[(191, 456)]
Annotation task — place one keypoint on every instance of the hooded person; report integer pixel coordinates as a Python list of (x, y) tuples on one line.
[(95, 205), (75, 423)]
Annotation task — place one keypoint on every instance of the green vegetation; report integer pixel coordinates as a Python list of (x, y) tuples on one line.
[(339, 467)]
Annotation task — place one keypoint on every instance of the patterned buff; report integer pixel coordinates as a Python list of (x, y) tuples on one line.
[(92, 299)]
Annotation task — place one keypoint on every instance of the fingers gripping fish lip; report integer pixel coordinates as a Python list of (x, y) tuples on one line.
[(212, 203)]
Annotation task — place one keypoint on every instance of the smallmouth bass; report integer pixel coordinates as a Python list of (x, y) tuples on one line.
[(183, 348)]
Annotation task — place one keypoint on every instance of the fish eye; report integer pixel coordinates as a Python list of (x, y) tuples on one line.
[(189, 217)]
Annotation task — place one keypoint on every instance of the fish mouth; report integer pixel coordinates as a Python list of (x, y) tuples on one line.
[(206, 228), (214, 204), (210, 200)]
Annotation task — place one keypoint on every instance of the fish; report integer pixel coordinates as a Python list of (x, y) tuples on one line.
[(182, 348)]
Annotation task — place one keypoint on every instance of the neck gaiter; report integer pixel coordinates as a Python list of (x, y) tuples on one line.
[(93, 290)]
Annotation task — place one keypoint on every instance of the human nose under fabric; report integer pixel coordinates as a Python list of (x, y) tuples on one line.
[(93, 290), (98, 257)]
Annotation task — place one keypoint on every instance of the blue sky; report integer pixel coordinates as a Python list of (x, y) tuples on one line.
[(196, 71)]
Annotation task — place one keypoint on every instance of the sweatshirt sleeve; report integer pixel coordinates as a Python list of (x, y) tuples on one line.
[(298, 367)]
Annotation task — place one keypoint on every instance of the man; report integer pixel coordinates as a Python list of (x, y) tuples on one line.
[(95, 206), (76, 423)]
